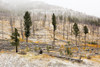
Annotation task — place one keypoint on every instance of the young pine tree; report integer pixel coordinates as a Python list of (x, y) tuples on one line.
[(27, 25), (15, 39), (75, 31), (85, 32), (54, 27)]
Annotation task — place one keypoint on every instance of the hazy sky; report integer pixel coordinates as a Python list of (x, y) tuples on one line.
[(91, 7)]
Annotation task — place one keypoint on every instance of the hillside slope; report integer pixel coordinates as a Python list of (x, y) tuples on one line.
[(30, 60)]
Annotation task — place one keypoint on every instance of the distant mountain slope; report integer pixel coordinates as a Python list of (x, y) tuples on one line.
[(20, 7), (29, 5)]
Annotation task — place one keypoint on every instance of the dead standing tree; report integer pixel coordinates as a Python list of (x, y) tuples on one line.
[(2, 30), (33, 23), (64, 23), (12, 21), (44, 21), (21, 28)]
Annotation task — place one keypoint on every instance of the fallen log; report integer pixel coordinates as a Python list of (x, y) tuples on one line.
[(68, 58)]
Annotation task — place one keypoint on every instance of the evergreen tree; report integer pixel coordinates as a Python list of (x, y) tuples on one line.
[(15, 39), (27, 25), (75, 31), (85, 32), (54, 27)]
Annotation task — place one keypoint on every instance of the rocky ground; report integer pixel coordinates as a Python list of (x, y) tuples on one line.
[(30, 60)]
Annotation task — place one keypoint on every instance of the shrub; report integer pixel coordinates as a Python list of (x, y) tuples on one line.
[(41, 51), (68, 51), (22, 53), (95, 43), (35, 48), (47, 47), (39, 48), (27, 49), (61, 53), (88, 57), (68, 42)]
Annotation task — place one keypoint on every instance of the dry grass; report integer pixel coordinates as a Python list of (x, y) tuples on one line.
[(32, 56), (22, 40), (96, 58), (93, 45)]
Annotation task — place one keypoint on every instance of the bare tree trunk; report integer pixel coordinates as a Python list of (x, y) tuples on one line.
[(93, 33), (43, 24), (49, 24), (44, 21), (85, 40), (67, 32), (11, 24), (33, 30), (97, 39), (27, 39), (76, 40), (63, 30), (45, 36), (53, 39), (2, 31), (16, 48), (71, 29), (21, 27)]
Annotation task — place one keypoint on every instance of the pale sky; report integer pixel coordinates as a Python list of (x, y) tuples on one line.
[(90, 7)]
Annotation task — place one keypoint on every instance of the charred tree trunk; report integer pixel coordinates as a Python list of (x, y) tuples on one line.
[(26, 39), (53, 39), (16, 48), (85, 40), (76, 40)]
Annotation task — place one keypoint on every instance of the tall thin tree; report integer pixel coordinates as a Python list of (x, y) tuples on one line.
[(54, 27), (27, 25), (2, 30)]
